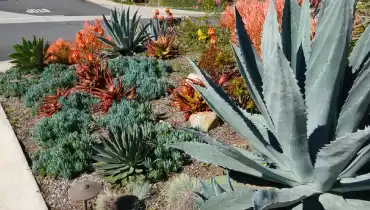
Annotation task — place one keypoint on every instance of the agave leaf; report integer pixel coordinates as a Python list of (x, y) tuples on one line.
[(235, 200), (358, 183), (216, 187), (357, 103), (270, 36), (230, 112), (109, 29), (226, 156), (250, 69), (287, 109), (289, 29), (361, 159), (326, 68), (361, 52), (329, 164), (336, 202), (304, 31), (278, 198)]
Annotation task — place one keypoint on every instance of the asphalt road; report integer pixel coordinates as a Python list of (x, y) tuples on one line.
[(12, 33), (53, 7)]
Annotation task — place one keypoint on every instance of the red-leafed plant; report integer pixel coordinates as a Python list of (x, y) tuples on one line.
[(188, 100), (163, 47), (50, 104), (112, 92), (91, 75)]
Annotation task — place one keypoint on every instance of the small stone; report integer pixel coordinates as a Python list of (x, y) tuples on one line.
[(193, 76), (204, 120)]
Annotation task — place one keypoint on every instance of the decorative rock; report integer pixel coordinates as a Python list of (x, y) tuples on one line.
[(204, 120), (193, 76)]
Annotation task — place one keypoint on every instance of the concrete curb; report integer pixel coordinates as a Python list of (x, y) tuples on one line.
[(19, 189), (5, 65)]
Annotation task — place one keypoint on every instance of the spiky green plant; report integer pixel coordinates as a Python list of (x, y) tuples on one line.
[(123, 153), (212, 189), (310, 124), (128, 36), (30, 54), (158, 28)]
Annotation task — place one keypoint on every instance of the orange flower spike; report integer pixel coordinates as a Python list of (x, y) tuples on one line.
[(170, 16), (90, 57), (161, 18), (155, 16), (213, 40), (211, 31), (167, 10), (156, 12)]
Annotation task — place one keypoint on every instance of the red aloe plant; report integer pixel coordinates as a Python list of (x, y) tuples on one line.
[(90, 75), (50, 104), (112, 92), (188, 100)]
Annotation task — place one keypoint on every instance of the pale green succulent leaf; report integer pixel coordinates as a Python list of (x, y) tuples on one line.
[(363, 156), (289, 28), (288, 113), (329, 164), (235, 200), (248, 68), (271, 35), (326, 68), (336, 202), (228, 157), (278, 198), (361, 52), (227, 110), (359, 183), (304, 31), (356, 106)]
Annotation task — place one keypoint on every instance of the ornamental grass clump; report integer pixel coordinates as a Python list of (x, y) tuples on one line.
[(313, 98)]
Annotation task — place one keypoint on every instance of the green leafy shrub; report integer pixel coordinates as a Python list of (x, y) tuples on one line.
[(53, 77), (68, 158), (30, 55), (51, 131), (125, 113), (142, 73), (65, 138), (13, 83), (188, 35), (81, 101), (164, 159)]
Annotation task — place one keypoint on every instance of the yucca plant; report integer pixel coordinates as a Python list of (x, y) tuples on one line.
[(122, 153), (30, 54), (127, 36), (310, 124)]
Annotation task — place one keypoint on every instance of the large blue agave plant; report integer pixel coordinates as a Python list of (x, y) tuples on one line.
[(313, 100)]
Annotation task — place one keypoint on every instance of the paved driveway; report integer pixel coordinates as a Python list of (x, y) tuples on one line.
[(52, 7)]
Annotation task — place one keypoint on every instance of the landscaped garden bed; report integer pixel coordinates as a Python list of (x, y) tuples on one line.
[(113, 105)]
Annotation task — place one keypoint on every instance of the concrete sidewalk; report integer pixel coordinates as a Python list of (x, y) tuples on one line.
[(19, 189), (146, 11)]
